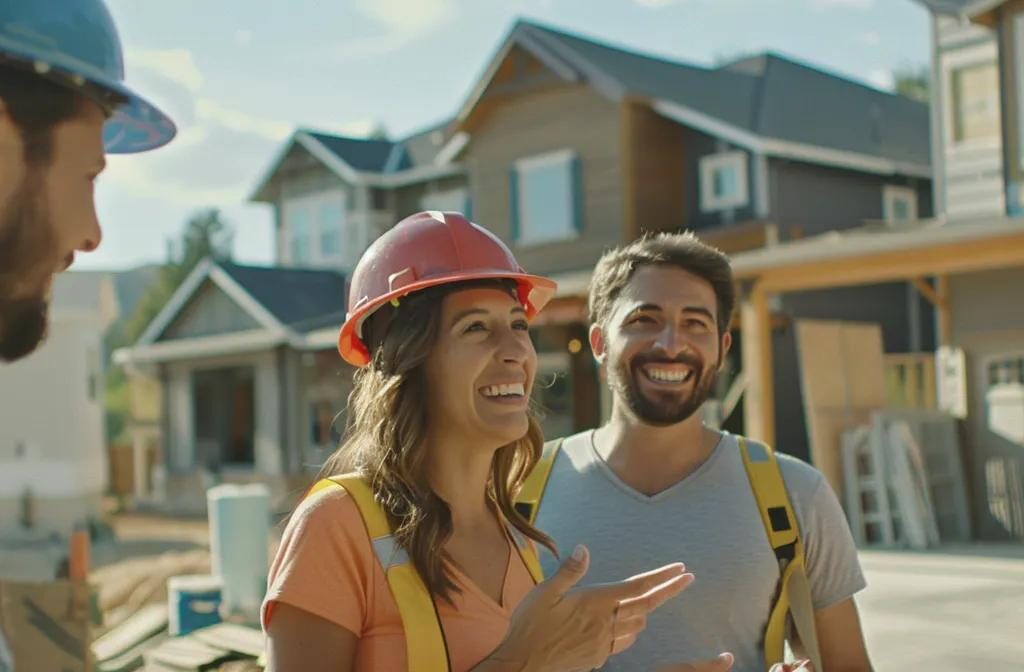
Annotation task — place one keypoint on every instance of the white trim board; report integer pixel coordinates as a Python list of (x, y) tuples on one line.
[(196, 348)]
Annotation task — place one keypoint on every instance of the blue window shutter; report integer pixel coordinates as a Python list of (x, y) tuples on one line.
[(513, 203), (577, 193), (468, 207)]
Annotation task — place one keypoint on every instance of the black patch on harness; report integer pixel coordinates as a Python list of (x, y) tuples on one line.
[(525, 509), (779, 519)]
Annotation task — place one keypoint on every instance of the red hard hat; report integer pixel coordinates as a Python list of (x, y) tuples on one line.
[(424, 250)]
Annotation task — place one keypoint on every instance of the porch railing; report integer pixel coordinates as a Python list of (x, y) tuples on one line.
[(910, 380)]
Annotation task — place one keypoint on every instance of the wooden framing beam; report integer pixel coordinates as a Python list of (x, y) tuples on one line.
[(927, 291), (759, 399), (945, 259)]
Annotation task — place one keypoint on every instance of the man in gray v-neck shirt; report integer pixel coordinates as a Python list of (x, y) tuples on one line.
[(655, 485)]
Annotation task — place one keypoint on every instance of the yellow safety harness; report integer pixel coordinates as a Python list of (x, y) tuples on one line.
[(793, 597), (426, 648)]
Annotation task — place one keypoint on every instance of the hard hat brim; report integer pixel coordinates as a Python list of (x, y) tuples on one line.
[(135, 125), (540, 291)]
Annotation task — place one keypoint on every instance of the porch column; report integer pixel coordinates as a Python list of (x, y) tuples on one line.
[(759, 400)]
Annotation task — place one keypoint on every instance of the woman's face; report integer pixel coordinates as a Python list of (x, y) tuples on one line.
[(481, 369)]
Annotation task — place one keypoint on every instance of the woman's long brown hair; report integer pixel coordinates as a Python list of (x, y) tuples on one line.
[(387, 428)]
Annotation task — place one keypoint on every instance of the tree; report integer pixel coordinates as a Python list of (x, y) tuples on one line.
[(913, 81), (206, 235)]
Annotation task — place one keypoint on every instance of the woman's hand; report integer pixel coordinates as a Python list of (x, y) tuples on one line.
[(557, 627)]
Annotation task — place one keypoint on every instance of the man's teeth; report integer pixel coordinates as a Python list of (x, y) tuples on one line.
[(512, 390), (670, 376)]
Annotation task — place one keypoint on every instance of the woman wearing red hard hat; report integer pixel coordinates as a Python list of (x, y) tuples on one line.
[(408, 552)]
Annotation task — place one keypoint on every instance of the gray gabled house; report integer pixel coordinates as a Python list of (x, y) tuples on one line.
[(245, 361)]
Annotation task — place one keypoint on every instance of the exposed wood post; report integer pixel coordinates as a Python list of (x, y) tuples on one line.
[(759, 400), (942, 292)]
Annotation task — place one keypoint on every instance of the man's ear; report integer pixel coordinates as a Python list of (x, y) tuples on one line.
[(597, 343), (726, 346)]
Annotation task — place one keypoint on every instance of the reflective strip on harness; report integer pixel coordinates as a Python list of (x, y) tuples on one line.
[(425, 647), (532, 491)]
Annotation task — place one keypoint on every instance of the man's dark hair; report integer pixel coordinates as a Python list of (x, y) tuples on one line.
[(675, 250), (36, 105)]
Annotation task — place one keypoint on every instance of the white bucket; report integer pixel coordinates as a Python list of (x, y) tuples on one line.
[(239, 534)]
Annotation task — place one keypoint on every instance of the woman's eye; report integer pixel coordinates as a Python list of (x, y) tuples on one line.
[(521, 324), (642, 319), (476, 326)]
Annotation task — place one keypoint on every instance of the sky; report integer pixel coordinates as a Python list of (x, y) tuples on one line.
[(238, 76)]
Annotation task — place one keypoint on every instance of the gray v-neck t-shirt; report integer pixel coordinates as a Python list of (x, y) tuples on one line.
[(709, 521)]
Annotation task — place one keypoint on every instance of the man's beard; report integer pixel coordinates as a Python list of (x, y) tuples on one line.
[(26, 253), (671, 407)]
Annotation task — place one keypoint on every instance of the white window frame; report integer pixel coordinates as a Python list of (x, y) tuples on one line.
[(982, 54), (313, 201), (890, 194), (737, 160), (560, 156), (460, 193)]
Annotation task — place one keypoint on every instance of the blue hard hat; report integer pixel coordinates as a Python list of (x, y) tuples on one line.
[(75, 43)]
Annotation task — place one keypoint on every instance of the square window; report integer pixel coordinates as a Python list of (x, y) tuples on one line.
[(723, 181), (546, 198)]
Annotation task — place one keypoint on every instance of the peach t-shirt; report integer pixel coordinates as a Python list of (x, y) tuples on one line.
[(326, 566)]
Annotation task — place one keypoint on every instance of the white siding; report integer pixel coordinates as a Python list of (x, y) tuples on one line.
[(52, 440)]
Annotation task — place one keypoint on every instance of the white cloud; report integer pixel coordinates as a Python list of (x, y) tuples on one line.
[(870, 39), (882, 79), (822, 5), (210, 110), (243, 37), (131, 175), (403, 22), (177, 65), (401, 15)]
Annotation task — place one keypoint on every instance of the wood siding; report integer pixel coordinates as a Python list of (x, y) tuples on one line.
[(654, 169), (570, 117)]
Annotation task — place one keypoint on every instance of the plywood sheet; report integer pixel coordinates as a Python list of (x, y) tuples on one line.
[(842, 377)]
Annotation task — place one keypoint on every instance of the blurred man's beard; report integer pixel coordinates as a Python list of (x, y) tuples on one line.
[(26, 257), (672, 408)]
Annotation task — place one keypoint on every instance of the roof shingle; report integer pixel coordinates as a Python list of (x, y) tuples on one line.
[(301, 299)]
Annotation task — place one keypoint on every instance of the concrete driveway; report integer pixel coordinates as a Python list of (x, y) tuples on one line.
[(956, 609)]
